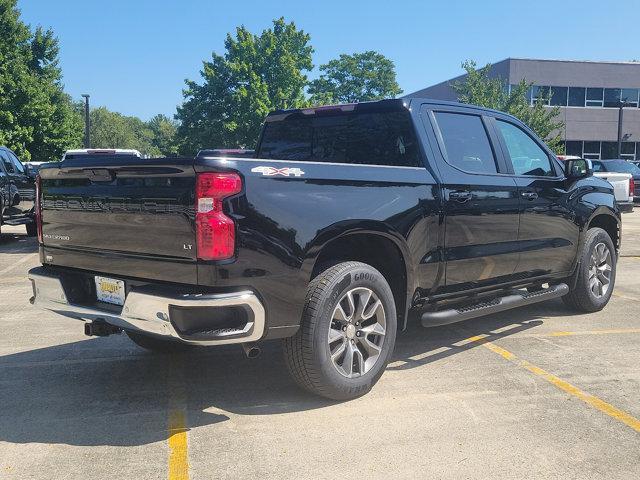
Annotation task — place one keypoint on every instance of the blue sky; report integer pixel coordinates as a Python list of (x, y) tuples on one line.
[(133, 56)]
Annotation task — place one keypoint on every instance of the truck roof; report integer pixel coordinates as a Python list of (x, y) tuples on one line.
[(393, 104)]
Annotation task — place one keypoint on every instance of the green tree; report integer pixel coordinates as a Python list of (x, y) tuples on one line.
[(355, 78), (256, 74), (164, 135), (479, 88), (113, 130), (37, 119)]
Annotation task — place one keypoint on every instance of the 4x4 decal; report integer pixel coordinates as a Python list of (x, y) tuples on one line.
[(272, 171)]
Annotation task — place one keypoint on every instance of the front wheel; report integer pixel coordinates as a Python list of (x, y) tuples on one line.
[(347, 333), (596, 274)]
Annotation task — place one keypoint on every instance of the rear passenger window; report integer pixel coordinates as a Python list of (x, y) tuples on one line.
[(466, 142), (384, 138), (526, 155)]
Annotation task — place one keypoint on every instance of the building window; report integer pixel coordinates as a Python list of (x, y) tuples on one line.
[(609, 150), (611, 97), (540, 94), (573, 147), (629, 151), (559, 96), (630, 96), (591, 150), (576, 96), (582, 96), (602, 150), (595, 97)]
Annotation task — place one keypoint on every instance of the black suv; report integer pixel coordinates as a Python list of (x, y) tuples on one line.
[(17, 192)]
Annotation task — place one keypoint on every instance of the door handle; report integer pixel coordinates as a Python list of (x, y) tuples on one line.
[(460, 196), (529, 195)]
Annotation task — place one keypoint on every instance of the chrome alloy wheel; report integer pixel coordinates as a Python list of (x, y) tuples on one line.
[(357, 332), (600, 269)]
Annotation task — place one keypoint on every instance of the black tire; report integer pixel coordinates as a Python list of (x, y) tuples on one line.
[(157, 345), (308, 352), (581, 297), (32, 229)]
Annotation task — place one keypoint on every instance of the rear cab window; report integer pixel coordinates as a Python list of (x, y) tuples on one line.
[(362, 138)]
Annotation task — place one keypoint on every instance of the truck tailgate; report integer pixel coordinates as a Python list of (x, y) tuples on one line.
[(620, 183), (123, 210)]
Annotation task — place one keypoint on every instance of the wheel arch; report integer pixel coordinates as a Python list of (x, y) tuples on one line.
[(371, 243), (610, 223)]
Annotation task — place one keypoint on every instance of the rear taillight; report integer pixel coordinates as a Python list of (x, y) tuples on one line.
[(38, 207), (215, 232), (632, 188)]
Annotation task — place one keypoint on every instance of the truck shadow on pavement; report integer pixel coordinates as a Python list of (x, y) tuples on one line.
[(107, 391), (17, 243)]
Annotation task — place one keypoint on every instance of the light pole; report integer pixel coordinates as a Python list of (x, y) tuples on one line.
[(87, 139)]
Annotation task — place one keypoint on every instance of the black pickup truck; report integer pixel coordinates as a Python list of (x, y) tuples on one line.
[(346, 220), (17, 192)]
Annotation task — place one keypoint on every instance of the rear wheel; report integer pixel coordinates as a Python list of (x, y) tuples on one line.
[(347, 333), (157, 345), (596, 274)]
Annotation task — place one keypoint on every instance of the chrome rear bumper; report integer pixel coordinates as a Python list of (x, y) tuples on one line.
[(148, 312)]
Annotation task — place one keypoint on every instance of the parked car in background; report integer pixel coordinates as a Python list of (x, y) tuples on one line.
[(93, 153), (17, 192), (620, 166), (347, 218), (623, 188), (623, 184), (33, 167)]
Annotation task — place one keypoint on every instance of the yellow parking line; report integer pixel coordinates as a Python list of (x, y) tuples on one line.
[(178, 456), (177, 422), (620, 295), (590, 332), (572, 390)]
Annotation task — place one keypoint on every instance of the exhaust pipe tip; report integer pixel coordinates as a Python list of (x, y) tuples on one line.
[(251, 350)]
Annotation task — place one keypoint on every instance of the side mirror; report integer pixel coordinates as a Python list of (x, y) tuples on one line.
[(578, 168)]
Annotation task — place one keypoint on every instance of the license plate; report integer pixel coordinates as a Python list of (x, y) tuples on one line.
[(110, 290)]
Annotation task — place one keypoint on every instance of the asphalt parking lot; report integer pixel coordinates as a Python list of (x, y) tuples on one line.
[(538, 392)]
